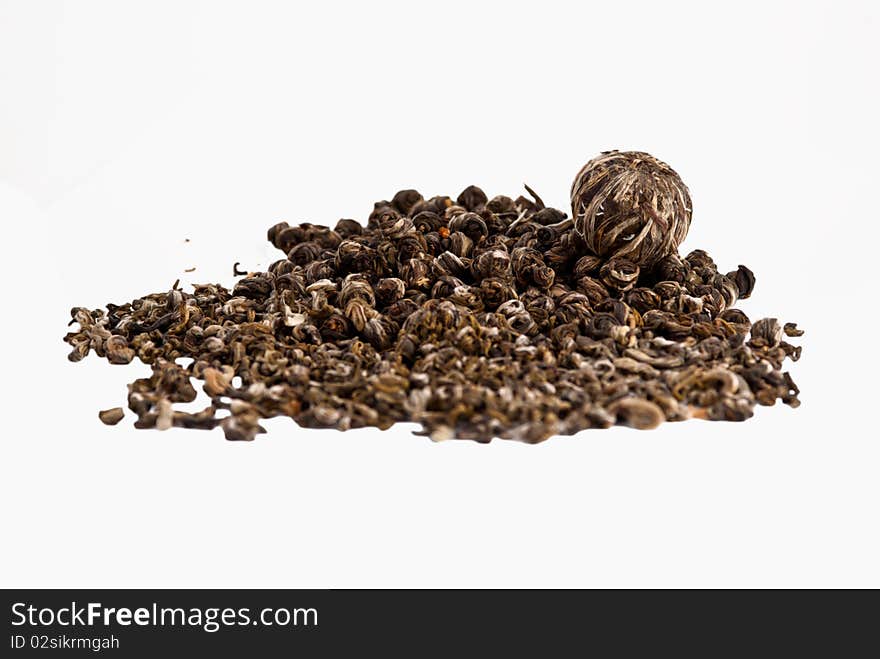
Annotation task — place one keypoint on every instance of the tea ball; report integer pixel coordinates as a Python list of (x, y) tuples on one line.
[(628, 203)]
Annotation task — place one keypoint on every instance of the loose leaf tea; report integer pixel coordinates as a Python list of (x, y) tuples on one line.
[(473, 317)]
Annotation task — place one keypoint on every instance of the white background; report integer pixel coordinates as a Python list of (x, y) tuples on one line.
[(127, 127)]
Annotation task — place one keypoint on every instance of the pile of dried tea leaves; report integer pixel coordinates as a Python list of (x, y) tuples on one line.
[(474, 317)]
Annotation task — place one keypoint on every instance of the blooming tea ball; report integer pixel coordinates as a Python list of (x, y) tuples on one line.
[(628, 203)]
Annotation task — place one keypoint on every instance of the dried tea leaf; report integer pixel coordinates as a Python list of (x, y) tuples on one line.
[(475, 319), (112, 416)]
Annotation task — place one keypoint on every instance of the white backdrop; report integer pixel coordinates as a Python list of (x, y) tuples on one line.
[(126, 128)]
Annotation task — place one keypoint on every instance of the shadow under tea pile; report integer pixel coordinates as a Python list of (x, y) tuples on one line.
[(474, 317)]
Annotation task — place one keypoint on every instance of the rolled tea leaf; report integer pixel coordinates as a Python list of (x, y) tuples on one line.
[(628, 203)]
